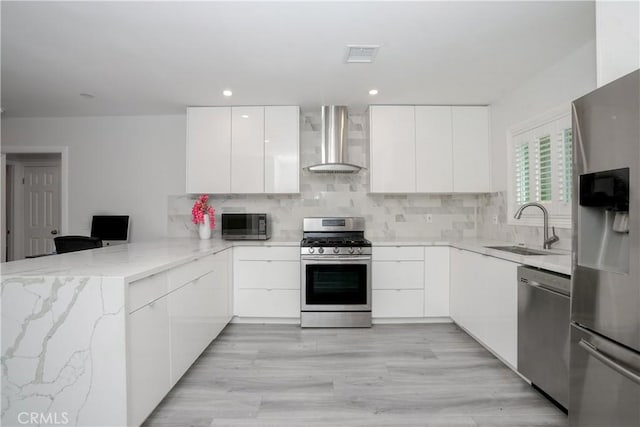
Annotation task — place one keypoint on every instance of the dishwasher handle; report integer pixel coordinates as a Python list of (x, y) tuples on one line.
[(544, 287)]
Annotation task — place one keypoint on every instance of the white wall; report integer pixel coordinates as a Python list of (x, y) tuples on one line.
[(117, 165), (618, 39), (570, 78)]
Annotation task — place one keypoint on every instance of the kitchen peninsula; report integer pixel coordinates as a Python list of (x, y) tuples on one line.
[(99, 337)]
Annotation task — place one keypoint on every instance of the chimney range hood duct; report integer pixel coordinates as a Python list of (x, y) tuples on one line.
[(334, 142)]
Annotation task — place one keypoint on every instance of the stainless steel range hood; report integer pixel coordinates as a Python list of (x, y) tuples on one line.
[(334, 142)]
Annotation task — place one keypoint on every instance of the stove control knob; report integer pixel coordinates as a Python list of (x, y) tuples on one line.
[(351, 250), (336, 250), (320, 250), (311, 250), (359, 250)]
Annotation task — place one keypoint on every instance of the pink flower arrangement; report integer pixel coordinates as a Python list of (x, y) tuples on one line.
[(200, 209)]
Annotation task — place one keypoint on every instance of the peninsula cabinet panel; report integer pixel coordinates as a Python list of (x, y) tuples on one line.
[(434, 149), (392, 141), (208, 150), (247, 149), (148, 359), (470, 149), (281, 152)]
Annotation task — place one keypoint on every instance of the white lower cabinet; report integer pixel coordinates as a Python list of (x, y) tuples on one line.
[(267, 281), (397, 282), (484, 300), (268, 303), (192, 322), (185, 309), (397, 303), (148, 361), (436, 281)]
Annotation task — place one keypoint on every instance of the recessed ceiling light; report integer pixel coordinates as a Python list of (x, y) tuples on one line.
[(373, 92), (227, 92), (87, 95), (245, 116)]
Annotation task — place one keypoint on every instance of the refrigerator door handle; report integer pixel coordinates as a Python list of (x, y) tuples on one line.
[(593, 351), (580, 146)]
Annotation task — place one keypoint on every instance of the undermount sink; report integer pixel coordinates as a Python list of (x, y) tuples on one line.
[(520, 250)]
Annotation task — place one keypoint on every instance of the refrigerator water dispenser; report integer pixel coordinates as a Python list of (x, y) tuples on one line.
[(603, 219)]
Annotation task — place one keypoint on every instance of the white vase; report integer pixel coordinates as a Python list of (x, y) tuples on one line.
[(204, 229)]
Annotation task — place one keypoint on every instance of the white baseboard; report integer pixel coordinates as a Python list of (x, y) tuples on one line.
[(267, 320), (400, 320), (375, 321)]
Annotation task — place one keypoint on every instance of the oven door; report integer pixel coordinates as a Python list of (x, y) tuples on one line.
[(341, 283)]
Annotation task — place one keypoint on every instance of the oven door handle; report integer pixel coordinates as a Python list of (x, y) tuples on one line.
[(336, 258)]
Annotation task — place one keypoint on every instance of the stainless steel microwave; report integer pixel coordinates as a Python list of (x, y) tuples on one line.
[(245, 226)]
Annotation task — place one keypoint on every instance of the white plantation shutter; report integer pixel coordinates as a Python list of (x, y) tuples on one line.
[(523, 173), (541, 167), (564, 171)]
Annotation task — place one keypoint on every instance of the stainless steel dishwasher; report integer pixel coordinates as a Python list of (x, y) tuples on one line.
[(543, 331)]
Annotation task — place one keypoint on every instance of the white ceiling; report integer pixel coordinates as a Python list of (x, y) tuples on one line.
[(158, 57)]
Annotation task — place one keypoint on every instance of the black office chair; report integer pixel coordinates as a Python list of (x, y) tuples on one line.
[(66, 244)]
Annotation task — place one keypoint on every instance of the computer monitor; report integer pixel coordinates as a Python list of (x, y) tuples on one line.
[(112, 229)]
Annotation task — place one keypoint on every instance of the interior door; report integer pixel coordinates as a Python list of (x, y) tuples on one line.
[(41, 208)]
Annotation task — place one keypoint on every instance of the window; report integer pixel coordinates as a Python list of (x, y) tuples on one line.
[(540, 168)]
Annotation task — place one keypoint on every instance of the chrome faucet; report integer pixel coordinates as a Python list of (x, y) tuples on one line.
[(548, 241)]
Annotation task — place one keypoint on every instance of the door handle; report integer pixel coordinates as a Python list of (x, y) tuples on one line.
[(606, 360), (54, 232)]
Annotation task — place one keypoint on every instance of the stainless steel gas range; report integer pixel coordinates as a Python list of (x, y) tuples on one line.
[(336, 273)]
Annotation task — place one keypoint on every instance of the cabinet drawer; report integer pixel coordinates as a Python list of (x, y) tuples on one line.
[(268, 274), (398, 253), (398, 275), (190, 271), (265, 303), (143, 291), (397, 303), (272, 253)]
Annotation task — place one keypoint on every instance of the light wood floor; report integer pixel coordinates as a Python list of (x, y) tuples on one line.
[(389, 375)]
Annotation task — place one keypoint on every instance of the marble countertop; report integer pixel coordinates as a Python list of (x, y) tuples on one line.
[(137, 260), (558, 261), (131, 261)]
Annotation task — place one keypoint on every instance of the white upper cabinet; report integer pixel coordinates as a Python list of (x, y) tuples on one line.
[(281, 153), (434, 149), (208, 150), (393, 166), (243, 149), (429, 149), (247, 149), (471, 150)]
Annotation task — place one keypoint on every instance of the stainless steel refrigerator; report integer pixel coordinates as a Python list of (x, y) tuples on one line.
[(605, 294)]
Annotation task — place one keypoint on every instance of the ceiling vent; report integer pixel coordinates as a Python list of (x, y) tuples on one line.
[(361, 53)]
